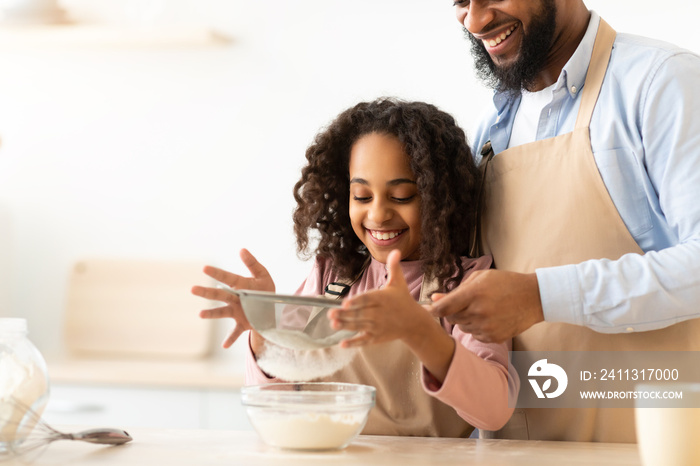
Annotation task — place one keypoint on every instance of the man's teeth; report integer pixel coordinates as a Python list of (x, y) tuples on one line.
[(501, 38), (385, 234)]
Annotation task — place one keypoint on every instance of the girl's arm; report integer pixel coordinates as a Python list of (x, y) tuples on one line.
[(480, 383)]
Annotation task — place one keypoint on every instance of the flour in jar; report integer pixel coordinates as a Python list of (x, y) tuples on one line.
[(303, 364), (23, 386)]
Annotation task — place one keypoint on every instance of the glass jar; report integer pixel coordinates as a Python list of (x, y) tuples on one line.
[(24, 383)]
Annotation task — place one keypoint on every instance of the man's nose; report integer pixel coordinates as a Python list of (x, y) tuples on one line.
[(478, 16)]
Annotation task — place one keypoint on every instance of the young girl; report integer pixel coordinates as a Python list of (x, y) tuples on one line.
[(390, 188)]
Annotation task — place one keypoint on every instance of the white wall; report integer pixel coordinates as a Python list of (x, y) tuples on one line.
[(192, 153)]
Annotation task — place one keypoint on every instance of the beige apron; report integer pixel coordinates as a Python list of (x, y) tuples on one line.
[(402, 406), (545, 205)]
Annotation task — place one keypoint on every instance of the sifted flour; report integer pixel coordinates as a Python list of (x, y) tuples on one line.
[(303, 365), (309, 431)]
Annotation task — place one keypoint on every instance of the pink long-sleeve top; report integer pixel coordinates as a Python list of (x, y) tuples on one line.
[(480, 384)]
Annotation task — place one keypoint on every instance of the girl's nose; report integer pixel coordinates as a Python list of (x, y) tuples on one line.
[(477, 16), (379, 213)]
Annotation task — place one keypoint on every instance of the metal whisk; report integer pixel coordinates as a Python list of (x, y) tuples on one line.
[(31, 432)]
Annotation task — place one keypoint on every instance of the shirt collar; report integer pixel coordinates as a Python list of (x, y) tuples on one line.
[(573, 76)]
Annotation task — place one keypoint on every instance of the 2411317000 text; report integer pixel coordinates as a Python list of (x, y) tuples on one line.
[(632, 374)]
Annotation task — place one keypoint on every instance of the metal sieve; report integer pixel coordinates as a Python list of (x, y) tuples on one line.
[(296, 322)]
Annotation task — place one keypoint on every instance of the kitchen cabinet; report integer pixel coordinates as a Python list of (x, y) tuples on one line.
[(106, 406), (194, 394)]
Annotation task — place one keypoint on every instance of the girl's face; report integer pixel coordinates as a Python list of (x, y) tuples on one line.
[(384, 199)]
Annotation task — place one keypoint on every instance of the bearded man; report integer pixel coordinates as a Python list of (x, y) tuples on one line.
[(591, 200)]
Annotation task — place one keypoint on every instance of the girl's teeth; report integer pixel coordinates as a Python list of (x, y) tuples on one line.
[(384, 235)]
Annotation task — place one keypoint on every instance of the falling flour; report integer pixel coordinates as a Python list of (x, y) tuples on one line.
[(297, 339), (301, 365)]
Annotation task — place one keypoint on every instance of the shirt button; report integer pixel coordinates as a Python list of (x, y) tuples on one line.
[(573, 89), (629, 329)]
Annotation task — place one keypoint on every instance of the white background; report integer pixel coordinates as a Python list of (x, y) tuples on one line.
[(192, 153)]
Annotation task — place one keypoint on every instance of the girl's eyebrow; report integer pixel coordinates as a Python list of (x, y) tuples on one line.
[(395, 182), (400, 181)]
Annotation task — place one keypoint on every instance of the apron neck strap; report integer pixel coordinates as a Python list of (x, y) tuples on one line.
[(596, 72), (339, 289)]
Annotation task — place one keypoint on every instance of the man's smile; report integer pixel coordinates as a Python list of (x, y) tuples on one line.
[(497, 43)]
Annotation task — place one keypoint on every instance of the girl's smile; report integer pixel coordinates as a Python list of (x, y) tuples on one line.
[(384, 236), (384, 199)]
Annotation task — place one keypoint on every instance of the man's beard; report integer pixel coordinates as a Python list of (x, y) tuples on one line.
[(534, 50)]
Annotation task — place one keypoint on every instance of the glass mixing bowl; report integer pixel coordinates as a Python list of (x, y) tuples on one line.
[(308, 416)]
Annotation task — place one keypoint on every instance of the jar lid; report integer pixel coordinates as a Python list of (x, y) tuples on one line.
[(13, 324)]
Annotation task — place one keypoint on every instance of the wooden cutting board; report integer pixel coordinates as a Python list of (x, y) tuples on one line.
[(136, 308)]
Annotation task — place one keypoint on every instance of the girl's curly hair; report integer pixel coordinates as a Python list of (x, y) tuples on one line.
[(446, 177)]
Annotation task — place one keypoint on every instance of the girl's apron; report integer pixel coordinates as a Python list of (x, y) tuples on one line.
[(402, 405), (545, 205)]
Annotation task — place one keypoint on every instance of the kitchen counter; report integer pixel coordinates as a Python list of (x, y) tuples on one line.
[(220, 447), (210, 373)]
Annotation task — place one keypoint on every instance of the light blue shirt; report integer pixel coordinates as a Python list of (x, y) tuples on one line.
[(645, 136)]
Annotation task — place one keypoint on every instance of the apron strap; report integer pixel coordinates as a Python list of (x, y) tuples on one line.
[(427, 287), (338, 290), (596, 73), (477, 249)]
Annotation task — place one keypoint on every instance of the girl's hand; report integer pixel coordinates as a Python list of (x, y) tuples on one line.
[(392, 313), (260, 281), (383, 315)]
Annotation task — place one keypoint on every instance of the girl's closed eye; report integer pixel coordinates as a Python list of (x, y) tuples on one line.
[(404, 200), (360, 192), (461, 3)]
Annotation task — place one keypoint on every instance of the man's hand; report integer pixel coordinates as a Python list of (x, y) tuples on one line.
[(492, 305)]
